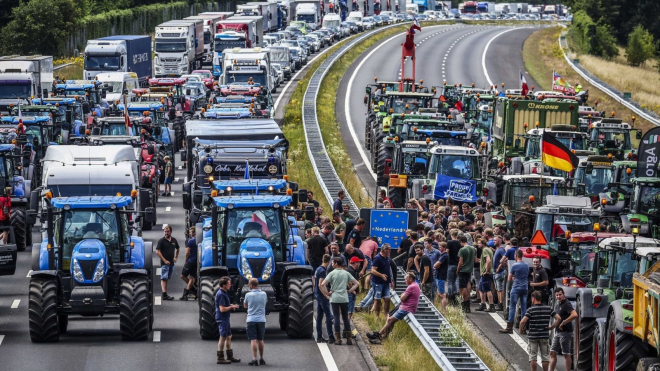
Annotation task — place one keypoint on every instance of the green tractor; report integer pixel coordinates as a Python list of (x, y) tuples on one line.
[(592, 176), (611, 136), (566, 134), (644, 209)]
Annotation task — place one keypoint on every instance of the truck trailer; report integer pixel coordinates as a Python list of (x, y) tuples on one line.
[(210, 25), (178, 47), (22, 77), (120, 53)]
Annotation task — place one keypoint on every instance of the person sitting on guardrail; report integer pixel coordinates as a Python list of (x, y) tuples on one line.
[(409, 302)]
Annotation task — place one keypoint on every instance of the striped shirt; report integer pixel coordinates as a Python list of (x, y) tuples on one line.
[(538, 317)]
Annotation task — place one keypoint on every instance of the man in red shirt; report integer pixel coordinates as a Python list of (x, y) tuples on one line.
[(5, 214), (409, 302)]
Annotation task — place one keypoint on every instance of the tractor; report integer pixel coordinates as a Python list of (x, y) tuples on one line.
[(410, 161), (250, 237), (644, 207), (565, 134), (89, 264), (611, 136), (34, 135), (21, 221), (592, 176)]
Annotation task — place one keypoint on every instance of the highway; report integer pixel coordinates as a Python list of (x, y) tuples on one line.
[(482, 55)]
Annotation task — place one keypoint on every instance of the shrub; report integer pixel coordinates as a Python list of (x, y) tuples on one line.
[(640, 46)]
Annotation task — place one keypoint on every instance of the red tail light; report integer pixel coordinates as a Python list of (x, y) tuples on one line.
[(388, 166), (635, 220), (425, 188), (597, 301), (486, 192), (572, 282)]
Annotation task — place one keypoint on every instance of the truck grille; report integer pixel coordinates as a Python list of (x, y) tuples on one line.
[(171, 60), (88, 267), (257, 266)]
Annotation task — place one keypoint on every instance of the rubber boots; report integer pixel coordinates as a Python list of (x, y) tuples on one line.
[(508, 329), (337, 338), (349, 337), (221, 359), (230, 356), (466, 306)]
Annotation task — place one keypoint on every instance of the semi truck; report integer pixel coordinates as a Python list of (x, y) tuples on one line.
[(226, 40), (470, 7), (258, 24), (246, 27), (120, 53), (178, 47), (311, 14), (550, 9), (485, 7), (247, 66), (210, 21), (266, 10), (22, 77), (521, 8)]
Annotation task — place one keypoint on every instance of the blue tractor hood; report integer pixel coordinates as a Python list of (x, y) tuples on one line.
[(256, 259), (88, 256)]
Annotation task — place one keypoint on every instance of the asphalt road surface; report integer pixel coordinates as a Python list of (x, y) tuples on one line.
[(483, 55), (95, 344)]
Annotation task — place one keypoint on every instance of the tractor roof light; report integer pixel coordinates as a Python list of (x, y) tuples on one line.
[(603, 202), (635, 230), (532, 199), (628, 171), (538, 124), (567, 234), (134, 193), (525, 126), (596, 227), (214, 193), (428, 140)]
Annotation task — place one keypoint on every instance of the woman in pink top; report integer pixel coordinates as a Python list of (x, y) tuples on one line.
[(409, 302)]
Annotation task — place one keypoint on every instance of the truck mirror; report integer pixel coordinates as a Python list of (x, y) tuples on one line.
[(150, 215), (44, 93), (509, 141), (96, 130), (85, 108), (638, 135), (104, 93), (34, 200), (197, 197)]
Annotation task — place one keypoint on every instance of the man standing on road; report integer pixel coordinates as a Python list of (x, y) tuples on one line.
[(486, 275), (339, 280), (381, 279), (346, 215), (168, 252), (517, 275), (351, 253), (563, 340), (169, 175), (338, 206), (500, 268), (538, 316), (441, 274), (340, 229), (223, 308), (354, 269), (189, 272), (322, 304), (464, 271), (334, 253), (409, 302), (311, 200), (425, 272), (317, 246), (255, 303)]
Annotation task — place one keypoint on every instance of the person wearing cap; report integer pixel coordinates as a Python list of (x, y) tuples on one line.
[(351, 253), (354, 269), (169, 176)]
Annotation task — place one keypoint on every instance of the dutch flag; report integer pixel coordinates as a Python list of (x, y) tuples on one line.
[(523, 84)]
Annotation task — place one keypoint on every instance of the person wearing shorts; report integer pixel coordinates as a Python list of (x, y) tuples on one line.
[(223, 308), (381, 278), (563, 340), (464, 270), (255, 303), (409, 302), (167, 250), (189, 272), (169, 176), (536, 320)]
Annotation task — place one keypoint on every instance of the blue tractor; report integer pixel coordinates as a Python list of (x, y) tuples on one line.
[(90, 264), (251, 237), (66, 115)]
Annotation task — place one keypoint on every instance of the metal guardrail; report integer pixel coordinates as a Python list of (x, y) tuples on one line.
[(616, 95), (437, 335), (61, 66), (323, 168)]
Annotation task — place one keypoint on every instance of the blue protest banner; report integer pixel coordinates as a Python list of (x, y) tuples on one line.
[(455, 188), (389, 226)]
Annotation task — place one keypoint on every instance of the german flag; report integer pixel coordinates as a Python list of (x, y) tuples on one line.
[(556, 155)]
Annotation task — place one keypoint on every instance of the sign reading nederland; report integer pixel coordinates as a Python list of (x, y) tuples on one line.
[(389, 226), (464, 190)]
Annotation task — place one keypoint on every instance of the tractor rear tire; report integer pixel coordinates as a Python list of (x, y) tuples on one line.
[(134, 311), (597, 350), (621, 350), (284, 317), (18, 220), (397, 196), (383, 155), (583, 329), (645, 364), (301, 308), (208, 328), (44, 327)]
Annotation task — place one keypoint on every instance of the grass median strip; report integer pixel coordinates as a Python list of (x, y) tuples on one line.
[(542, 55)]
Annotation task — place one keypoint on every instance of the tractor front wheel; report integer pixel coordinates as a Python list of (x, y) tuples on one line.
[(208, 328), (301, 307), (134, 311), (18, 220), (621, 352), (583, 330), (44, 326)]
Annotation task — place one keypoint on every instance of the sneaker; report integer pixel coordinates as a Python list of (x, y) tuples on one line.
[(167, 297), (491, 308), (253, 362), (481, 308), (475, 301), (321, 340), (262, 362), (374, 335), (162, 194)]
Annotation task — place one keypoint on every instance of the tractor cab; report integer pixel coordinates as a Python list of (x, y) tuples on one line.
[(515, 190), (69, 117), (562, 214), (592, 176), (644, 209), (39, 131), (410, 161), (621, 257), (611, 136), (95, 265), (565, 134), (91, 90), (407, 103)]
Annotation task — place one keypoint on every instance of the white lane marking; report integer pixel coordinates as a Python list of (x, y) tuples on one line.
[(29, 273), (176, 179), (156, 336), (330, 363), (157, 300), (168, 208), (158, 270), (517, 338), (2, 337), (180, 168), (15, 304), (483, 56), (172, 193)]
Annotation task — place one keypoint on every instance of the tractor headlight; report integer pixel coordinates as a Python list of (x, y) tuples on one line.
[(268, 269), (247, 272), (100, 268), (77, 271)]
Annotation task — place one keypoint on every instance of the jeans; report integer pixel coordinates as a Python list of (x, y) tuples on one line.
[(452, 286), (351, 303), (336, 307), (315, 264), (517, 294), (323, 308), (368, 299)]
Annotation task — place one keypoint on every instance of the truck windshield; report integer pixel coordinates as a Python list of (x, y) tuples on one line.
[(114, 129), (520, 193), (245, 77), (332, 23), (207, 37), (114, 86), (594, 181), (68, 190), (101, 63), (354, 19), (307, 18), (222, 44), (253, 223), (170, 46), (455, 166), (18, 90), (554, 225), (279, 54), (76, 225), (612, 138)]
